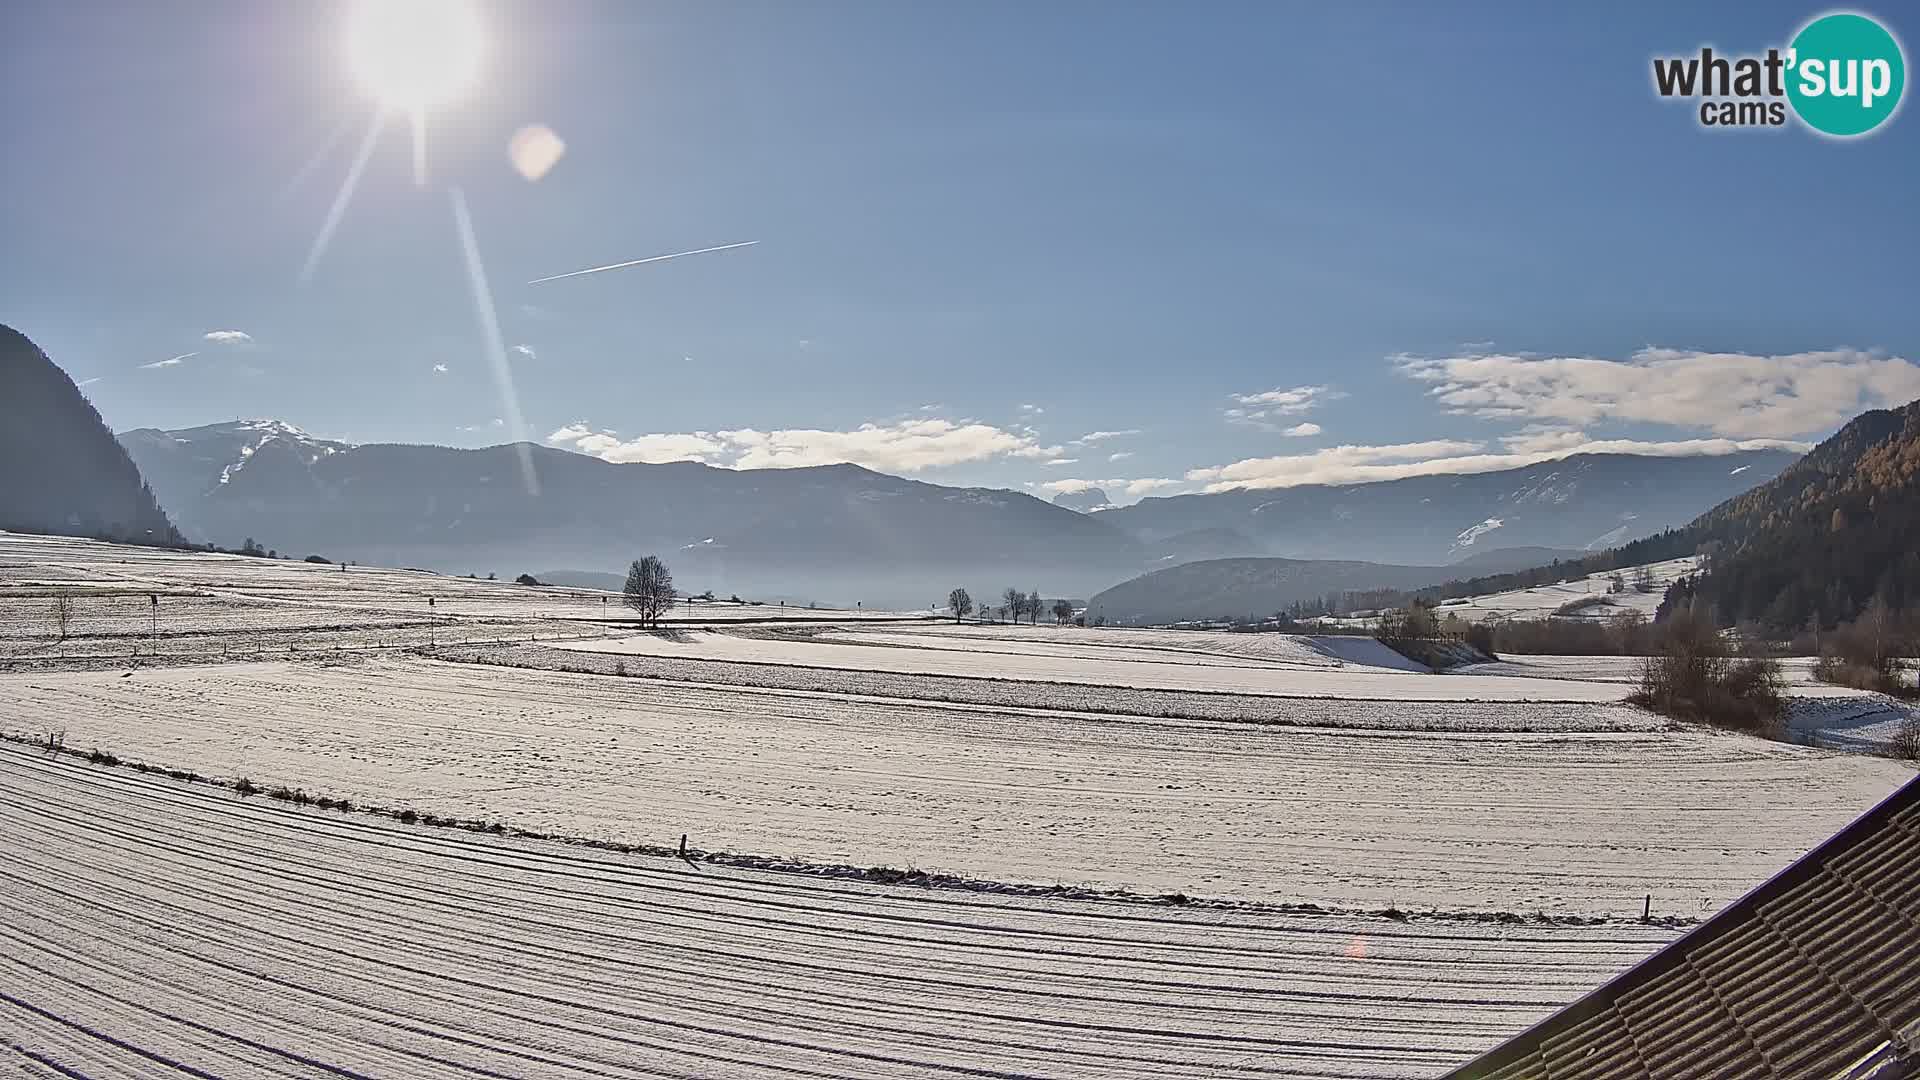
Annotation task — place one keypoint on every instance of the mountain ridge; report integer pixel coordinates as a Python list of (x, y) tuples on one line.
[(61, 469)]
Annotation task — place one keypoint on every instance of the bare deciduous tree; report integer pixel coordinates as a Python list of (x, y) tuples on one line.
[(1033, 607), (1016, 604), (1062, 611), (649, 589), (960, 604), (62, 614)]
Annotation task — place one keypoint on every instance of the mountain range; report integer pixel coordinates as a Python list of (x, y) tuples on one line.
[(838, 533), (842, 533), (835, 533), (1585, 502)]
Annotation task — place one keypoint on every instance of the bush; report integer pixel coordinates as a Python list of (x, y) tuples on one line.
[(1690, 676), (528, 579), (1621, 635), (1866, 653), (1481, 637), (1576, 606), (1905, 743), (321, 559), (246, 787)]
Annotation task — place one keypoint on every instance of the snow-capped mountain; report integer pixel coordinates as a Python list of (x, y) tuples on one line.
[(184, 466)]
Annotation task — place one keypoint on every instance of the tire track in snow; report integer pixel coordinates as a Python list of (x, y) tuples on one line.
[(249, 939)]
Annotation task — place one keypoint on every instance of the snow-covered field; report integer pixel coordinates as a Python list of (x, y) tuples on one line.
[(1544, 600), (1851, 719), (1013, 654), (1797, 670), (1557, 820), (151, 927), (239, 936), (35, 568)]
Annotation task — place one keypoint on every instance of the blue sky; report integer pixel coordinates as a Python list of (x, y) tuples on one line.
[(1413, 237)]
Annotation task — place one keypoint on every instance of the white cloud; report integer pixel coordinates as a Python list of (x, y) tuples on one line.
[(228, 337), (1062, 460), (1365, 464), (1121, 455), (171, 361), (1134, 488), (691, 446), (1736, 395), (1302, 431), (904, 446), (1149, 484), (525, 350), (1034, 409), (1074, 487), (1543, 438), (1262, 409), (439, 369), (1092, 437)]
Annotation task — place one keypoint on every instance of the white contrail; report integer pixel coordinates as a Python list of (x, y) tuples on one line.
[(649, 259), (496, 345), (170, 361), (340, 200)]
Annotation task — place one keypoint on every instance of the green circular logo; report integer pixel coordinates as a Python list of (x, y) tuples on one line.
[(1845, 74)]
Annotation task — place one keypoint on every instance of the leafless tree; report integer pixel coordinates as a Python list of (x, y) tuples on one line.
[(1016, 603), (1033, 607), (649, 589), (960, 604), (62, 614), (1062, 611)]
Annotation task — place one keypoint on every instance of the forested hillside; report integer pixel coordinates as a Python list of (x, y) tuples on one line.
[(61, 471), (1812, 546), (1833, 532)]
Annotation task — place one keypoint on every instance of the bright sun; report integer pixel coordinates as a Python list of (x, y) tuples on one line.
[(410, 54)]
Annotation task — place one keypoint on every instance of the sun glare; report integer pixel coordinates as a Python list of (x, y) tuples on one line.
[(410, 54)]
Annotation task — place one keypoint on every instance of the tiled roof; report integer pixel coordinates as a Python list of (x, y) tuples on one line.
[(1815, 973)]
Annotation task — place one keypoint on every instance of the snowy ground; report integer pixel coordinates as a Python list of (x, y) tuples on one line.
[(1797, 670), (1012, 654), (1544, 600), (154, 927), (1852, 720), (34, 568), (241, 937), (1558, 820)]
